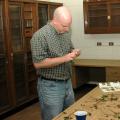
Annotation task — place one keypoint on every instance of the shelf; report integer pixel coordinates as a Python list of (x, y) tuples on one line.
[(27, 8), (115, 14), (28, 23), (28, 15), (98, 9), (96, 16)]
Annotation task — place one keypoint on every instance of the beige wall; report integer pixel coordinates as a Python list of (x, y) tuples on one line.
[(87, 42)]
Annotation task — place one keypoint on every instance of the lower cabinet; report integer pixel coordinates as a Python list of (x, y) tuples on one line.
[(94, 75), (80, 76), (112, 74)]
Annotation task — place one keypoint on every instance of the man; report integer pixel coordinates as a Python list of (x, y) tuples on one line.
[(52, 53)]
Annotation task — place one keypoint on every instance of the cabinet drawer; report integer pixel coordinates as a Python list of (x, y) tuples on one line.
[(112, 78), (113, 74)]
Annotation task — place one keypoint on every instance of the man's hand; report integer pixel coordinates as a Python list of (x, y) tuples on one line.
[(77, 52), (70, 56), (51, 62)]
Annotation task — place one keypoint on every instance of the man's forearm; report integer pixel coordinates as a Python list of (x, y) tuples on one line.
[(49, 62)]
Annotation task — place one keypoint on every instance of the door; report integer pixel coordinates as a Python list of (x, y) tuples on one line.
[(4, 87), (18, 51)]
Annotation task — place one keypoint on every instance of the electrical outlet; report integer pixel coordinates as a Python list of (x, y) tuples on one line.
[(105, 44), (111, 43), (99, 44)]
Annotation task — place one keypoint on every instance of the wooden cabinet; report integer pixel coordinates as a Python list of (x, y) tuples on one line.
[(18, 22), (95, 71), (5, 91), (30, 26), (112, 74), (22, 26), (80, 76), (19, 19), (101, 16), (17, 51), (45, 11)]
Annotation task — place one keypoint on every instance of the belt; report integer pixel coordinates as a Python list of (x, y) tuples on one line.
[(51, 79)]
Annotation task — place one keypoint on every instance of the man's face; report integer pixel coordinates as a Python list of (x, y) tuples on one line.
[(63, 26)]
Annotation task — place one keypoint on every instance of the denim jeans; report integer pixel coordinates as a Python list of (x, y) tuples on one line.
[(54, 97)]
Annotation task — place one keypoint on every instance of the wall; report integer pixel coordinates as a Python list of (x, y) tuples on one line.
[(87, 43)]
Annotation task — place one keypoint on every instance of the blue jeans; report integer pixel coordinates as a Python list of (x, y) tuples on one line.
[(54, 97)]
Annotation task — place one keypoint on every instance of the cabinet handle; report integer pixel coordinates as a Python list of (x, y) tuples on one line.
[(6, 62), (25, 56), (11, 54), (108, 17), (86, 22)]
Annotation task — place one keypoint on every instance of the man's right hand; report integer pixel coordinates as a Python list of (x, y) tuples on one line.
[(70, 56)]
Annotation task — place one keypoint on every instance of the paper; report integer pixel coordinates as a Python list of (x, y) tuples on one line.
[(110, 86)]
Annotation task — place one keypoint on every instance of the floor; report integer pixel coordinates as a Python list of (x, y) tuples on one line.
[(33, 111)]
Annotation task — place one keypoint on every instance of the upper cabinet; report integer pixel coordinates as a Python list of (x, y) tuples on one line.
[(51, 8), (42, 14), (101, 16), (45, 12)]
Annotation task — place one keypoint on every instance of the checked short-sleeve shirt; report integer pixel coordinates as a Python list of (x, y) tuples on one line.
[(47, 43)]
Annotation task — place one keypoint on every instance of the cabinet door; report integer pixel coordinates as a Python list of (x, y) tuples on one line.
[(17, 54), (42, 14), (115, 17), (51, 9), (4, 96), (45, 12), (30, 21), (112, 74), (31, 77), (96, 18)]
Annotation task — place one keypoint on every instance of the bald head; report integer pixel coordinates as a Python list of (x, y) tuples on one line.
[(62, 19), (62, 14)]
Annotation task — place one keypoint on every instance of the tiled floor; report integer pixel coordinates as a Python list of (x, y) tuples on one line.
[(33, 111)]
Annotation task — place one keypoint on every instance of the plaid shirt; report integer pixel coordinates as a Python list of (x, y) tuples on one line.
[(47, 43)]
